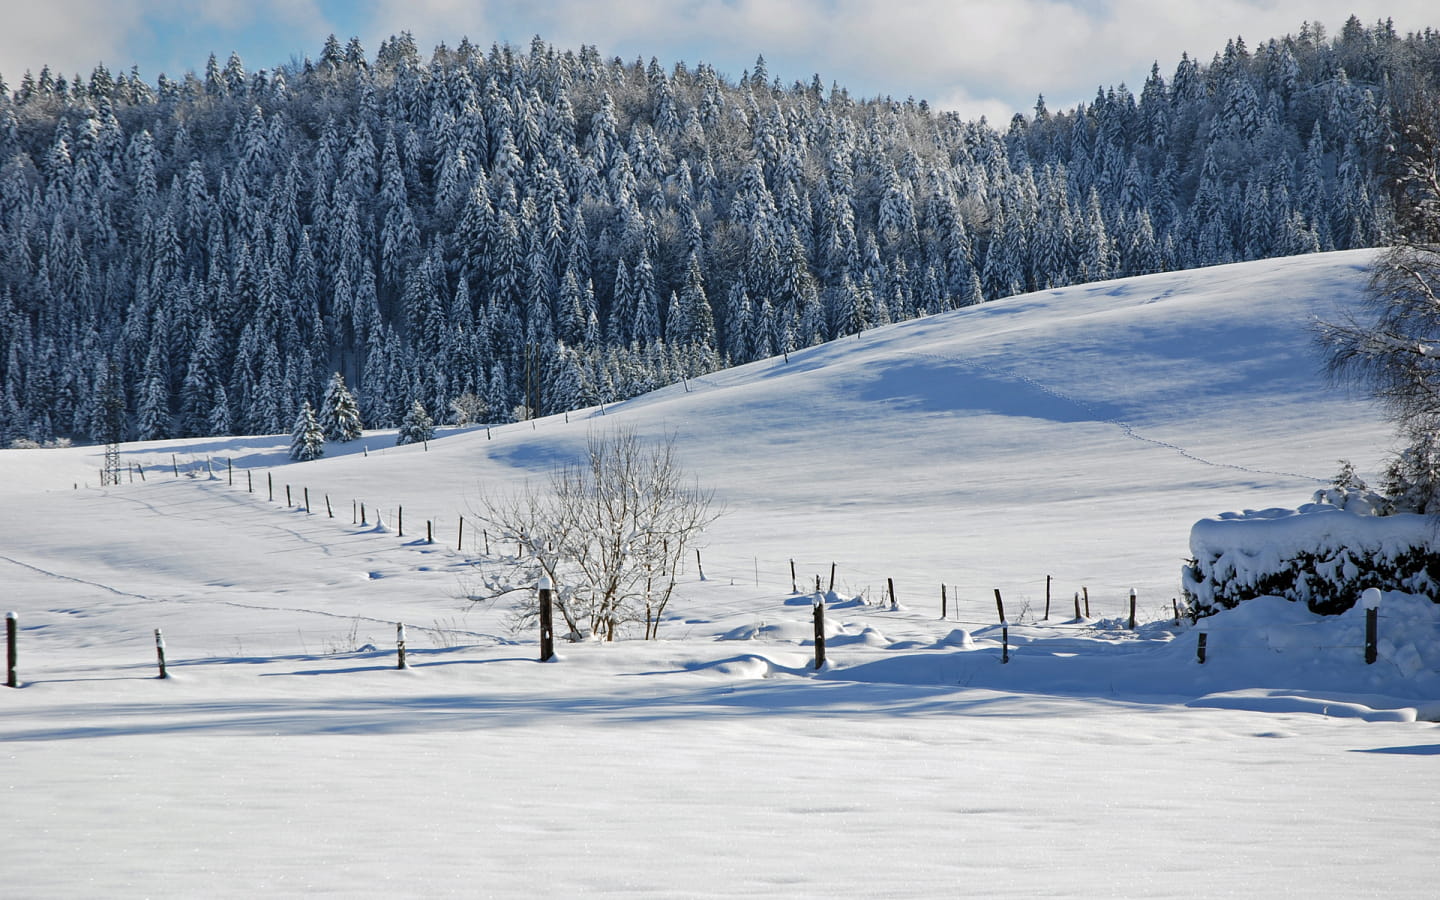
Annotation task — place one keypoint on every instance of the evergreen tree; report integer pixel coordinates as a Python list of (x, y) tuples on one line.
[(339, 413), (307, 440), (418, 427)]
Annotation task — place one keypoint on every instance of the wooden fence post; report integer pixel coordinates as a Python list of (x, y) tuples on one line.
[(1077, 606), (230, 471), (329, 510), (698, 564), (1047, 598), (1371, 600), (249, 482), (944, 604), (429, 531), (400, 646), (794, 589), (288, 504), (160, 652), (547, 627), (307, 501), (1005, 642), (175, 466), (999, 605), (820, 634), (832, 578), (1200, 649), (460, 535), (362, 515), (890, 585), (1176, 603), (12, 624), (270, 480), (400, 520), (1132, 609), (1086, 592)]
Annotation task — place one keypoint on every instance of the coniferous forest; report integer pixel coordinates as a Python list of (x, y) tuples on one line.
[(512, 232)]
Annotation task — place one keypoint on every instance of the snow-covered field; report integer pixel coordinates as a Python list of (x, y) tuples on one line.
[(1076, 434)]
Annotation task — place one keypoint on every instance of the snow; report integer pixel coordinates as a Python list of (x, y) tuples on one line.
[(1076, 433)]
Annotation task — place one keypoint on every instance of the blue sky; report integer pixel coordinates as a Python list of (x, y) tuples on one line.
[(975, 57)]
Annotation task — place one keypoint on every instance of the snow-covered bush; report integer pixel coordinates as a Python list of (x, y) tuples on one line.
[(1322, 555)]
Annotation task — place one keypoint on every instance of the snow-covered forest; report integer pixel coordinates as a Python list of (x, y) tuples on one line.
[(521, 231)]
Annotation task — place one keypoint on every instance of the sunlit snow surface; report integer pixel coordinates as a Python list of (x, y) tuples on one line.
[(1077, 434)]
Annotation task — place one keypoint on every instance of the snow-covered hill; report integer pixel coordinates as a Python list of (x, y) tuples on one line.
[(1076, 434)]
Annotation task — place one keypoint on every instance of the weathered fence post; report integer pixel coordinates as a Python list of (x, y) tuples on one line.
[(307, 501), (1200, 648), (1077, 606), (288, 504), (362, 515), (1176, 603), (944, 604), (820, 634), (400, 646), (429, 531), (1132, 609), (270, 481), (174, 466), (160, 652), (230, 471), (890, 585), (832, 578), (400, 520), (547, 627), (1004, 642), (999, 606), (1047, 598), (329, 510), (794, 588), (249, 482), (699, 565), (1371, 600), (460, 535), (1086, 592), (12, 624)]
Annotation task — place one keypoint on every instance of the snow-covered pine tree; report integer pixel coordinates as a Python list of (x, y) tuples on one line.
[(418, 427), (307, 441), (339, 413)]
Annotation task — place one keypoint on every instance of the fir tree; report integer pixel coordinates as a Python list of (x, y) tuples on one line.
[(418, 427), (307, 441)]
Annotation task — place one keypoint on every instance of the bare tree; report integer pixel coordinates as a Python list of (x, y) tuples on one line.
[(610, 532)]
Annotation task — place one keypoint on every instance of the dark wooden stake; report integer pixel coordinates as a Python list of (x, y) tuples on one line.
[(698, 565), (944, 604), (1005, 643), (794, 589), (270, 481), (174, 465), (429, 531), (307, 501), (12, 625), (249, 482), (1200, 648), (890, 586), (1077, 605), (820, 634), (1176, 603), (288, 504), (999, 606), (1086, 592), (329, 510), (160, 652), (1047, 598), (1132, 609), (547, 627), (832, 578), (400, 520), (362, 515), (400, 646), (460, 535), (230, 471), (1372, 617)]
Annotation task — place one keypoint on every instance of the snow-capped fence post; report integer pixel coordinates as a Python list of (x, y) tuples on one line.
[(160, 652), (547, 626), (1132, 609), (1000, 606), (400, 662), (1200, 648), (1371, 600), (832, 578), (1047, 598), (820, 633), (12, 624)]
